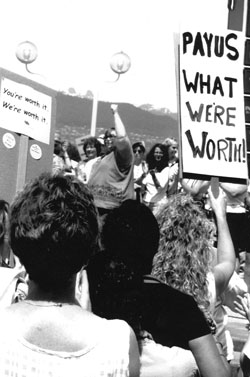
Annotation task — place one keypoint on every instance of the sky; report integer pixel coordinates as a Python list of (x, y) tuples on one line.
[(76, 39)]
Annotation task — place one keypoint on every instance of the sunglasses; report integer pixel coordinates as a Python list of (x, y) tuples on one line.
[(138, 151), (110, 136)]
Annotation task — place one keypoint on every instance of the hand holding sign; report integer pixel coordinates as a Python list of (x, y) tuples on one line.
[(114, 108), (215, 186), (217, 198)]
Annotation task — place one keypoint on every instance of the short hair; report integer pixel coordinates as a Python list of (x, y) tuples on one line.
[(140, 144), (170, 141), (108, 132), (131, 231), (93, 141), (53, 228)]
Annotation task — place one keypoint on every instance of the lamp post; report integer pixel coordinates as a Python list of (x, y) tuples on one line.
[(120, 64), (26, 53)]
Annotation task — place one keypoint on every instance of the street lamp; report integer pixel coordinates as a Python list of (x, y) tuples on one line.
[(26, 53), (120, 64)]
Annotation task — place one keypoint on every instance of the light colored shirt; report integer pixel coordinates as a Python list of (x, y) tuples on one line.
[(84, 169), (107, 355), (152, 193)]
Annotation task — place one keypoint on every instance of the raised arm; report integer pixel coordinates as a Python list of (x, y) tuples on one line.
[(233, 189), (197, 187), (123, 148), (67, 160), (225, 266)]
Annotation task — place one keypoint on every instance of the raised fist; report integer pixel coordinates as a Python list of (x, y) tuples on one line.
[(114, 108)]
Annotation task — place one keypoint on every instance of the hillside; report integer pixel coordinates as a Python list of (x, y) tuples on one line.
[(74, 118)]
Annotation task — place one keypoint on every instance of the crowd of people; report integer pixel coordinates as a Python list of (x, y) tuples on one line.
[(112, 264)]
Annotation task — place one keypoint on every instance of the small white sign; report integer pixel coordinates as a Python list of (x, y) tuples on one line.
[(25, 110), (35, 151), (9, 140)]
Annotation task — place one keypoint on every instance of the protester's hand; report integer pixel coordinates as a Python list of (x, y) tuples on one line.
[(242, 305), (72, 173), (144, 167), (152, 171), (114, 108), (65, 145), (218, 203), (174, 171), (247, 201)]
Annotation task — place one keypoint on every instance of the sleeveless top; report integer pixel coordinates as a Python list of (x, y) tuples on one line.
[(109, 185), (108, 355)]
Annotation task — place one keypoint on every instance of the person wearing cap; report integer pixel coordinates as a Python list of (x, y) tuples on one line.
[(140, 168), (111, 180)]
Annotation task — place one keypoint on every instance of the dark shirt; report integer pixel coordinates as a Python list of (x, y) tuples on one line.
[(172, 317)]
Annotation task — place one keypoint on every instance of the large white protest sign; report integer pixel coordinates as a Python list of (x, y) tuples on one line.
[(25, 110), (213, 135)]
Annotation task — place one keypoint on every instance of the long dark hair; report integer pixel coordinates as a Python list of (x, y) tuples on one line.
[(151, 161)]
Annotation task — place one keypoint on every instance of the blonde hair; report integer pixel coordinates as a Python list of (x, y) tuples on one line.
[(184, 256), (170, 141)]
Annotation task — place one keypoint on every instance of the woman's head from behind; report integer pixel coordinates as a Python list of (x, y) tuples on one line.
[(130, 240), (131, 231), (53, 229), (184, 256)]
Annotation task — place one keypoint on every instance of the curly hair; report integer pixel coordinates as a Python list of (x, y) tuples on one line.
[(53, 228), (184, 256), (150, 158), (92, 141)]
